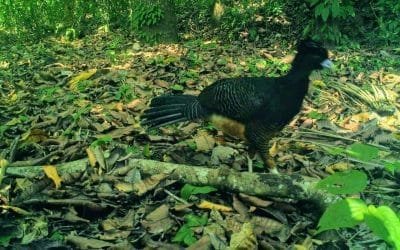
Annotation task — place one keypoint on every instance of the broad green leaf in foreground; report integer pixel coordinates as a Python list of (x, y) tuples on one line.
[(196, 221), (362, 152), (384, 223), (344, 213), (185, 235), (349, 182)]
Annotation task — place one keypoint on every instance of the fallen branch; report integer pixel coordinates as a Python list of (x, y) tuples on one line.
[(293, 186), (34, 171)]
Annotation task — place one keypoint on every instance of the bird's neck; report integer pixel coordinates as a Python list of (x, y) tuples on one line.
[(297, 79), (298, 76), (300, 69)]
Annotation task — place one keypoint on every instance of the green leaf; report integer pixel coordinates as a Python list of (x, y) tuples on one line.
[(315, 115), (185, 235), (334, 150), (325, 13), (392, 166), (348, 182), (177, 87), (196, 221), (384, 222), (336, 10), (3, 129), (147, 151), (318, 9), (57, 235), (189, 190), (101, 141), (347, 210), (358, 208), (5, 240), (362, 152)]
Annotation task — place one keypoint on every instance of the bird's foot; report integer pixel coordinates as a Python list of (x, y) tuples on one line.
[(272, 166), (249, 164)]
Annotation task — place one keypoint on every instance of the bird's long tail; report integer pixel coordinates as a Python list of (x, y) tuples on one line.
[(169, 109)]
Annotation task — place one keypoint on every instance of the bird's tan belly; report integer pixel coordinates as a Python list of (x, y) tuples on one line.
[(228, 126)]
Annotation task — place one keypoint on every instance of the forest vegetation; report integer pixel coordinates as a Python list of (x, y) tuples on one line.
[(79, 169)]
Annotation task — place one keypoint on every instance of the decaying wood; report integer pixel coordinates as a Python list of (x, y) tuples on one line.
[(34, 171), (293, 186)]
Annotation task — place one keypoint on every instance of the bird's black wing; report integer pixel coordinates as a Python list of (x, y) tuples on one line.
[(235, 98)]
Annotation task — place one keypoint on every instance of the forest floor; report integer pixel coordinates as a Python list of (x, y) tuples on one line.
[(65, 101)]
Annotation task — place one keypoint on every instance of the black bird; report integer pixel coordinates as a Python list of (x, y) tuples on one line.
[(252, 108)]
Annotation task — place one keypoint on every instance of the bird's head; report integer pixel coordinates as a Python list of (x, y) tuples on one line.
[(312, 55)]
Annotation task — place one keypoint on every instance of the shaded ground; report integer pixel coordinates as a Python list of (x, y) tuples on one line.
[(63, 101)]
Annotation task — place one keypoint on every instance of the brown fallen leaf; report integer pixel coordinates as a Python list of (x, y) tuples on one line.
[(266, 225), (240, 207), (390, 123), (34, 136), (133, 104), (91, 157), (209, 205), (87, 243), (161, 83), (339, 166), (73, 83), (255, 200), (115, 223), (51, 172), (273, 150), (391, 78), (148, 184), (244, 239), (354, 122), (118, 106), (204, 141), (141, 187), (158, 221)]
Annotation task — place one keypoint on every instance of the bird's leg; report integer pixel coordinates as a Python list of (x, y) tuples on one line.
[(258, 137), (251, 155), (272, 166), (249, 163), (267, 160)]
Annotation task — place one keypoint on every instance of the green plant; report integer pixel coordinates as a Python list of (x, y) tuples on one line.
[(125, 93), (101, 141), (194, 59), (48, 94), (188, 75), (3, 129), (366, 154), (132, 150), (144, 15), (111, 55), (316, 115), (349, 182), (382, 220), (81, 111), (28, 19), (189, 190), (185, 234), (329, 16), (387, 16), (70, 34), (147, 151)]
